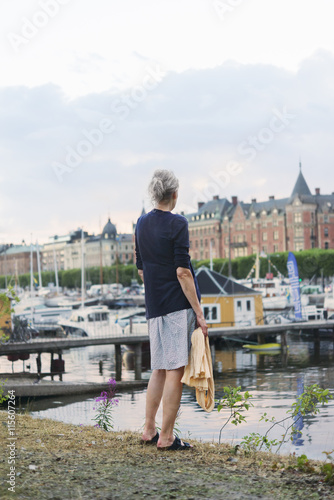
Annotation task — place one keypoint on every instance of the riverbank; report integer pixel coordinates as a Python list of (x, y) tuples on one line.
[(60, 461), (27, 385)]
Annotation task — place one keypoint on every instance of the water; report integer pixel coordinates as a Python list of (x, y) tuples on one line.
[(273, 380)]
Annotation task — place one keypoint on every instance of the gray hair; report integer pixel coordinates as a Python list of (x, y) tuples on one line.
[(162, 186)]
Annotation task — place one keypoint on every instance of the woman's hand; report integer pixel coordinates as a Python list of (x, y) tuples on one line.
[(201, 323)]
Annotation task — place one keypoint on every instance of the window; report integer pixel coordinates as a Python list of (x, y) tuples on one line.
[(212, 313), (326, 219), (196, 243), (239, 306), (299, 246), (226, 240), (253, 237), (249, 305), (276, 235), (206, 242), (298, 217), (264, 223), (275, 222), (264, 236), (326, 232), (275, 248), (299, 232), (326, 245)]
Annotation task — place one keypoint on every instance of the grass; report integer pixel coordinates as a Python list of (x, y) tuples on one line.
[(61, 461)]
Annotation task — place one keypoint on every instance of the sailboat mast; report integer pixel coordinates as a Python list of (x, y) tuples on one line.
[(56, 268), (39, 266), (82, 270), (31, 284)]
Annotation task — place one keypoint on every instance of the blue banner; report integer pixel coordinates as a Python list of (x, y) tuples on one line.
[(294, 285)]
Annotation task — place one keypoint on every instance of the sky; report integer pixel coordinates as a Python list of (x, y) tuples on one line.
[(94, 96)]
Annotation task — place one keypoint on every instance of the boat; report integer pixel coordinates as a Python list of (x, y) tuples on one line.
[(275, 292), (262, 347), (99, 321)]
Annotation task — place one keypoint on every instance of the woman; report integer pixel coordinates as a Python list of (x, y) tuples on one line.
[(172, 305)]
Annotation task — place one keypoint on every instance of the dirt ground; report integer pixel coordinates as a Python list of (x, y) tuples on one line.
[(59, 461)]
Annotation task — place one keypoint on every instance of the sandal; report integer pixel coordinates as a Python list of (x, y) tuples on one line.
[(154, 440), (177, 446)]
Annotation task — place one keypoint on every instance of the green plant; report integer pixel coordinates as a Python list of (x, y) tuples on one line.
[(235, 402), (303, 464), (6, 308), (3, 397), (105, 403), (328, 468), (308, 402), (254, 441)]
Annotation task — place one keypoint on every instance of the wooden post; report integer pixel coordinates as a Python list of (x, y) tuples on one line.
[(283, 341), (138, 361), (60, 373), (51, 367), (260, 338), (39, 365), (118, 362)]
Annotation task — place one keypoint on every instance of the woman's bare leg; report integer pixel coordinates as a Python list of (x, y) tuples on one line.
[(154, 393), (170, 404)]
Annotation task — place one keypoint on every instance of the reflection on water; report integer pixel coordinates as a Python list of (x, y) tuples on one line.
[(274, 380)]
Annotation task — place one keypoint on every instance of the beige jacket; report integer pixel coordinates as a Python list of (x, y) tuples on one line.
[(198, 372)]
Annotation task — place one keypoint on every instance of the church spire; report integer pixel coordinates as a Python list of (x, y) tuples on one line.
[(301, 186)]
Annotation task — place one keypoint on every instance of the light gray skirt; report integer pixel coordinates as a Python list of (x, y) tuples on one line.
[(170, 339)]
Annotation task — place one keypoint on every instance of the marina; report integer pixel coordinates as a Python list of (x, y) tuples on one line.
[(272, 379)]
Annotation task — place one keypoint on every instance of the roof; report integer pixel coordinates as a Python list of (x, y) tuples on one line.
[(16, 249), (109, 230), (211, 209), (213, 283), (301, 186)]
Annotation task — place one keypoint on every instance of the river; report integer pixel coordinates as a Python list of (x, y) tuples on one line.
[(274, 382)]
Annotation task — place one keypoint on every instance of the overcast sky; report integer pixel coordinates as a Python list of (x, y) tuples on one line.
[(95, 95)]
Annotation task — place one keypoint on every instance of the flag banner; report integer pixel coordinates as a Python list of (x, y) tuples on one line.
[(294, 285)]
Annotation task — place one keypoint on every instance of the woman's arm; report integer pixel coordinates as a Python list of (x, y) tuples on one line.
[(187, 283), (141, 274)]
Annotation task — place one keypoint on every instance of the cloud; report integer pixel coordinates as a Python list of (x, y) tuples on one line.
[(192, 123)]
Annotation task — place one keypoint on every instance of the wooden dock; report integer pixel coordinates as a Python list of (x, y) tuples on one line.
[(58, 345)]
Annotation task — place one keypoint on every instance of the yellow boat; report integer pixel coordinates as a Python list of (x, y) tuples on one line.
[(263, 347)]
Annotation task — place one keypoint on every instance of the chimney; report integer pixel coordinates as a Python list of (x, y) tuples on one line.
[(216, 197), (271, 197), (317, 190), (253, 200), (234, 200), (200, 204)]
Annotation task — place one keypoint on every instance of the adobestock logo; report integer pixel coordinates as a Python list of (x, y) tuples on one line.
[(255, 143), (40, 19), (226, 7), (249, 148), (94, 137)]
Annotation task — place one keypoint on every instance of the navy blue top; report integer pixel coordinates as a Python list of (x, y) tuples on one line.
[(162, 245)]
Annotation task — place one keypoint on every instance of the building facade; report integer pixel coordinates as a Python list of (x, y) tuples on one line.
[(299, 222), (15, 259)]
